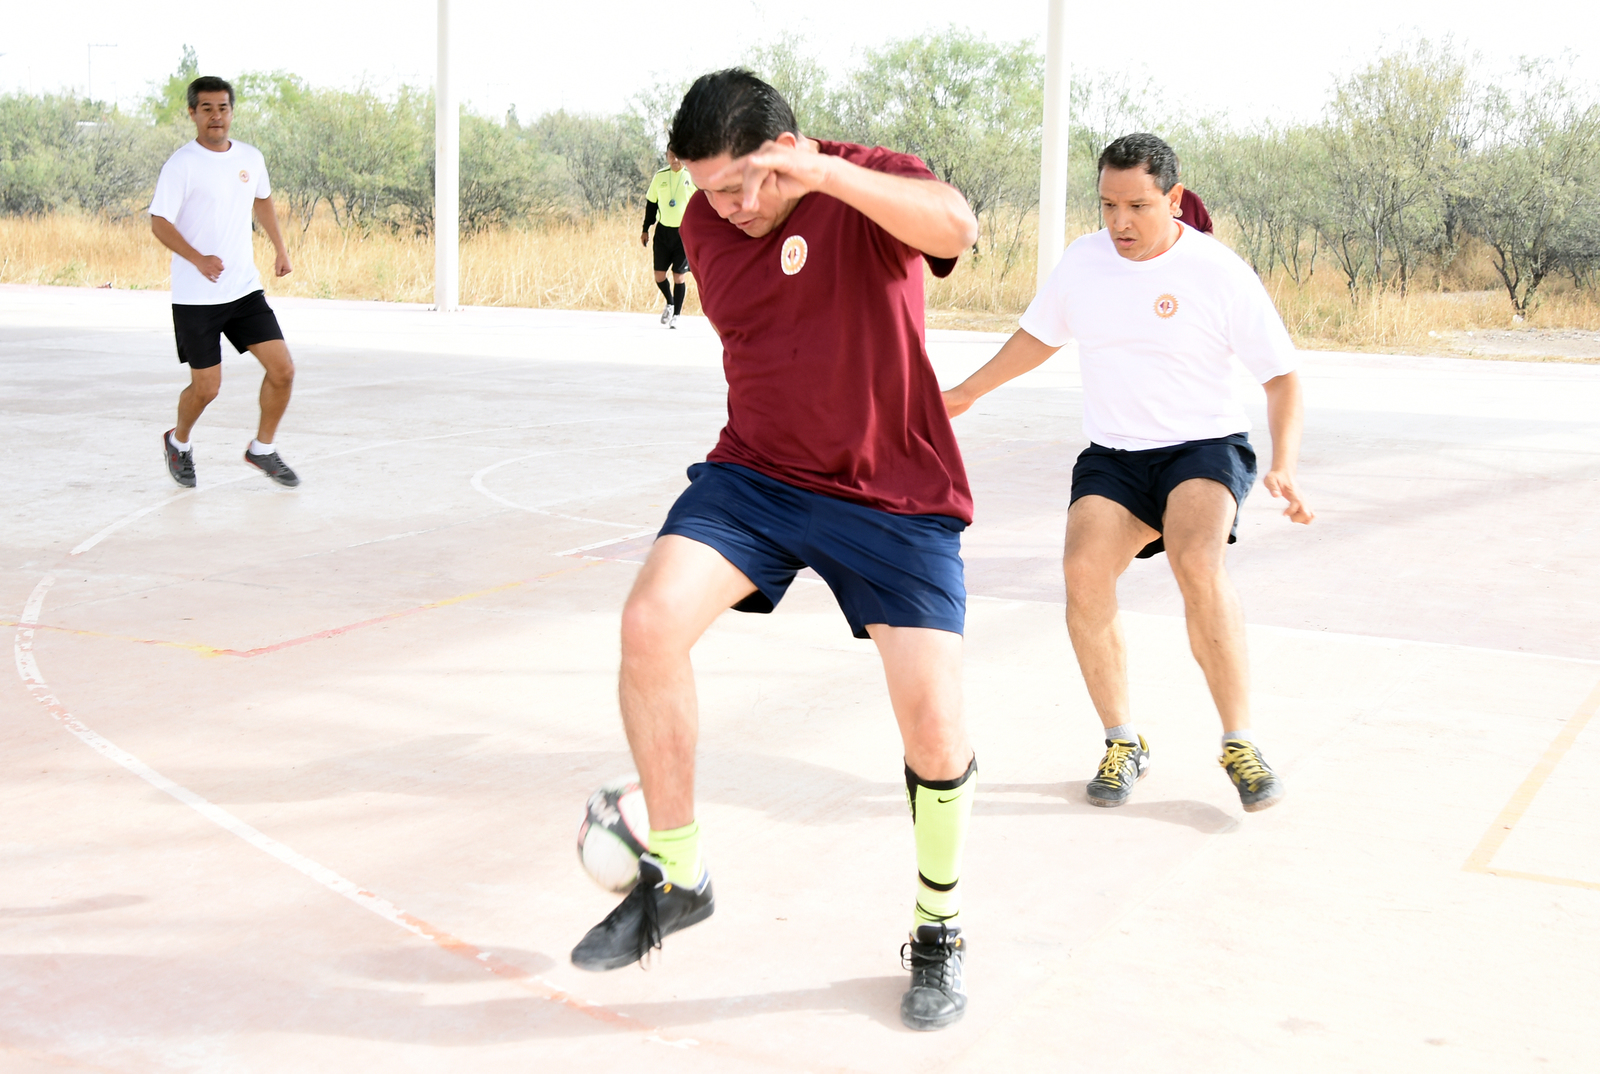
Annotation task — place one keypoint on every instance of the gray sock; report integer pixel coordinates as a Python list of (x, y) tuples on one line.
[(1237, 736), (1123, 731)]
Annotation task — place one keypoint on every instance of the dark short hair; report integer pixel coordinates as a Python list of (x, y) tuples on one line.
[(208, 84), (730, 111), (1142, 151)]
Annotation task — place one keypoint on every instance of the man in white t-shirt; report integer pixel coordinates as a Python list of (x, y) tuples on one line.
[(201, 211), (1160, 311)]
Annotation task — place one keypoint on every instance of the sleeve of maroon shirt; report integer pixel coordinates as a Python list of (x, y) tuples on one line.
[(889, 162)]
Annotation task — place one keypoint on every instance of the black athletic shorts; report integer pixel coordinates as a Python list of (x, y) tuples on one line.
[(668, 247), (899, 570), (1141, 481), (245, 321)]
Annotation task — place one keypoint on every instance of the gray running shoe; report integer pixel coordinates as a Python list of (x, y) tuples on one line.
[(1124, 764), (666, 314), (654, 909), (938, 993), (1258, 785), (180, 464), (273, 467)]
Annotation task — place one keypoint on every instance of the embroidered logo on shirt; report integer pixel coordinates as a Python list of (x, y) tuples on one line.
[(793, 255), (1166, 306), (244, 176)]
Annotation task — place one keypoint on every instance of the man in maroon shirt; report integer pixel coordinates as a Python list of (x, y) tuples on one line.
[(837, 455)]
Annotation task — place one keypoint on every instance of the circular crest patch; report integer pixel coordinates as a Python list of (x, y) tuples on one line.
[(244, 176), (1166, 306), (793, 255)]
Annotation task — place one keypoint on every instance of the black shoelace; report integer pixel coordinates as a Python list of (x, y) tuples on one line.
[(929, 963)]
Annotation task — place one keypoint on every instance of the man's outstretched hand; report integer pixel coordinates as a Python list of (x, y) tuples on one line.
[(1281, 485)]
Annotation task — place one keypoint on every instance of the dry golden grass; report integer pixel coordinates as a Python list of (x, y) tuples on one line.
[(599, 265)]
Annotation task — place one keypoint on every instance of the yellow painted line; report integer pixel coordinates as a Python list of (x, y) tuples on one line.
[(1500, 830), (1541, 878)]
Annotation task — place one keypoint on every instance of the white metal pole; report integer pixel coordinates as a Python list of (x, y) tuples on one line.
[(446, 177), (1057, 133)]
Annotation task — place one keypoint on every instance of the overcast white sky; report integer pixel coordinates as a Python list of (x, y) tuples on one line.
[(1252, 59)]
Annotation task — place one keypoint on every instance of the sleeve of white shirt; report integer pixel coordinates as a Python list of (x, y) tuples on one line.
[(1256, 332), (168, 198), (1046, 316)]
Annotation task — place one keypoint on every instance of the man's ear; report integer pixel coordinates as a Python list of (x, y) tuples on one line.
[(788, 138), (1175, 199)]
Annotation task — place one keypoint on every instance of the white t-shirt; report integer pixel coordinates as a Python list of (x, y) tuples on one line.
[(209, 198), (1155, 338)]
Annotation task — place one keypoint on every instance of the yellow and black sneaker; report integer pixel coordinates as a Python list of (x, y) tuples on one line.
[(654, 908), (938, 993), (1259, 787), (1124, 764)]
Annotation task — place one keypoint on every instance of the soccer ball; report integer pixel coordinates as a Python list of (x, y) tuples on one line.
[(613, 834)]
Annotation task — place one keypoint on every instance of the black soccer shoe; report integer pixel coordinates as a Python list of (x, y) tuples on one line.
[(180, 464), (1258, 785), (938, 993), (274, 467), (654, 909), (1124, 764)]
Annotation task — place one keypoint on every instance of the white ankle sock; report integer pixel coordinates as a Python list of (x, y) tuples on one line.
[(1237, 736), (181, 445), (258, 448), (1123, 731)]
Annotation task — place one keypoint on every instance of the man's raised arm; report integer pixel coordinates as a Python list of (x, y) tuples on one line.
[(926, 215)]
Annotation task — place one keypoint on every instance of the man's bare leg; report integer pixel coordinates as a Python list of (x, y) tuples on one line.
[(1199, 516), (682, 589), (277, 382), (923, 669), (204, 384), (1102, 539)]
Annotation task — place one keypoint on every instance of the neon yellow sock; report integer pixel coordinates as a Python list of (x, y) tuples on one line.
[(940, 811), (679, 851)]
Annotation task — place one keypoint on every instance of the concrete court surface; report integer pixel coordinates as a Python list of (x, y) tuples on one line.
[(291, 778)]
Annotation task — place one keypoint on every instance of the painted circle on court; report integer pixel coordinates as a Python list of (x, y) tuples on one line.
[(1166, 306), (793, 255)]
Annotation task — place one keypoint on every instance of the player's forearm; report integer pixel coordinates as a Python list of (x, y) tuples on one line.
[(1286, 420), (267, 215), (1020, 353), (167, 235), (924, 214)]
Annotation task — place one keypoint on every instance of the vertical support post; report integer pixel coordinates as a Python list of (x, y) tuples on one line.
[(446, 176), (1057, 133)]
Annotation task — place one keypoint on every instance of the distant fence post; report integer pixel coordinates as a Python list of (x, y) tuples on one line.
[(446, 177), (1057, 131)]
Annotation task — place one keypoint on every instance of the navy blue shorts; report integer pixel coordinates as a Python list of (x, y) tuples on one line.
[(1141, 481), (899, 570)]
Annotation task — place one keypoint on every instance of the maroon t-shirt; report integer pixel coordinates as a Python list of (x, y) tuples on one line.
[(829, 384), (1193, 211)]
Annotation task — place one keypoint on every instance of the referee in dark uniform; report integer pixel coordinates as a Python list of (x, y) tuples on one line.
[(663, 206)]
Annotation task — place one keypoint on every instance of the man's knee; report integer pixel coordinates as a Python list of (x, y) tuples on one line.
[(1198, 565), (205, 384), (652, 626), (281, 374), (1088, 570)]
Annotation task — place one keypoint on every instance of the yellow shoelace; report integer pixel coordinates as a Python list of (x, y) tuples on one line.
[(1244, 762), (1116, 757)]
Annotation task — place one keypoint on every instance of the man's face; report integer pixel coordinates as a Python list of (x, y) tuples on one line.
[(213, 117), (673, 162), (726, 193), (1138, 215)]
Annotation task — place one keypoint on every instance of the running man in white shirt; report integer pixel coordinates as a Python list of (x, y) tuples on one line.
[(201, 212), (1159, 310)]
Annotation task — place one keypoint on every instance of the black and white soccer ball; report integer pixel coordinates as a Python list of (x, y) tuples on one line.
[(615, 828)]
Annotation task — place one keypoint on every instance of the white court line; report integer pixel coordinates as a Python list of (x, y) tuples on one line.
[(141, 512), (28, 669), (477, 479), (604, 543)]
